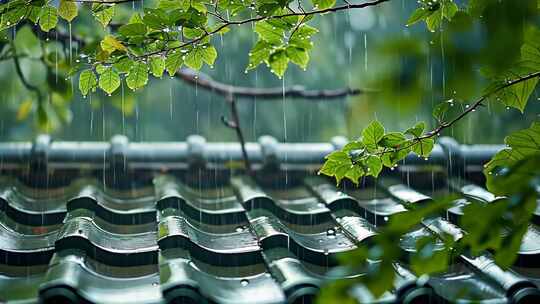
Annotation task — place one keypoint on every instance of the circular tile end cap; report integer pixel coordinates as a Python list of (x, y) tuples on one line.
[(419, 296), (59, 295), (527, 295)]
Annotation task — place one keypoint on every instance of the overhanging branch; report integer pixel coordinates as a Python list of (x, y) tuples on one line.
[(204, 81)]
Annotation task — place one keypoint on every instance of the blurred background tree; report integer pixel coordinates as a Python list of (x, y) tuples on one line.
[(411, 68)]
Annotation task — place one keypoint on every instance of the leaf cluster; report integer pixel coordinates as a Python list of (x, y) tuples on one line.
[(374, 150)]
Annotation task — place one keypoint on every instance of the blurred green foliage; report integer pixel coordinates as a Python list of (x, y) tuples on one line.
[(427, 65)]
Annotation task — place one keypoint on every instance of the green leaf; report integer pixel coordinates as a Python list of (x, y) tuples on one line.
[(87, 82), (434, 21), (269, 33), (354, 173), (123, 65), (449, 9), (48, 18), (517, 95), (67, 10), (34, 13), (298, 56), (259, 53), (205, 53), (301, 38), (423, 147), (419, 14), (173, 62), (328, 168), (417, 130), (138, 76), (157, 66), (353, 145), (430, 256), (323, 4), (372, 134), (136, 18), (27, 43), (374, 165), (390, 158), (103, 13), (109, 80), (338, 156), (100, 68), (24, 109), (521, 144), (439, 111), (132, 29), (110, 44), (279, 62), (393, 140)]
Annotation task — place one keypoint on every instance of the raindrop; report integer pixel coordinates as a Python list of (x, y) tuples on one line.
[(244, 282), (331, 233), (239, 229)]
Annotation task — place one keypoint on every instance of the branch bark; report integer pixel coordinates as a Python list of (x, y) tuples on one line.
[(204, 81), (235, 125)]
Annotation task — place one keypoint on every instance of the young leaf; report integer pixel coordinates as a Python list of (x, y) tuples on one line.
[(132, 29), (269, 33), (87, 82), (517, 95), (138, 76), (521, 144), (278, 63), (449, 9), (110, 44), (157, 66), (439, 111), (173, 62), (419, 14), (298, 56), (123, 65), (67, 10), (48, 18), (354, 173), (423, 147), (24, 109), (200, 54), (259, 53), (103, 13), (417, 130), (372, 134), (302, 37), (374, 165), (392, 140), (109, 80)]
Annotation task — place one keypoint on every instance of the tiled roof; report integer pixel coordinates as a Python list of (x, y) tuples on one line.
[(127, 222)]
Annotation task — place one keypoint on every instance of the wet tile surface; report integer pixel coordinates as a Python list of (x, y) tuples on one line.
[(242, 241)]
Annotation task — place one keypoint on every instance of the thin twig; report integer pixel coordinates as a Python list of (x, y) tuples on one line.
[(235, 124), (444, 125), (261, 18), (19, 72)]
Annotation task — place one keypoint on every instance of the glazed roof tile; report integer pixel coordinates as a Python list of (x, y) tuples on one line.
[(124, 222)]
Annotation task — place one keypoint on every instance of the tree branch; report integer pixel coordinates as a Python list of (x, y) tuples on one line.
[(444, 125), (226, 23), (478, 103), (204, 81), (235, 124), (19, 72)]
